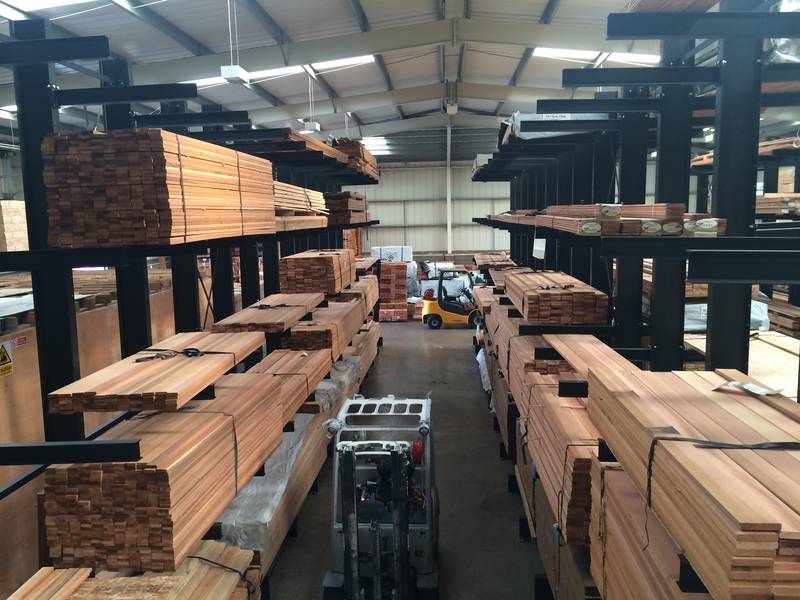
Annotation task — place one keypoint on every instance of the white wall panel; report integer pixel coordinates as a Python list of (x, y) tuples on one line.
[(411, 204)]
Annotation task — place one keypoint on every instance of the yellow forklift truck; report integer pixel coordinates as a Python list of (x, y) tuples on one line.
[(448, 310)]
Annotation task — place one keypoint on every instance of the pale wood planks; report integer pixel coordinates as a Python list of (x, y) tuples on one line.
[(294, 198), (346, 207), (492, 260), (553, 297), (331, 328), (274, 314), (162, 379), (359, 158), (326, 271)]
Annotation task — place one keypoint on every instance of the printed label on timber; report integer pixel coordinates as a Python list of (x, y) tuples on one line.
[(6, 359)]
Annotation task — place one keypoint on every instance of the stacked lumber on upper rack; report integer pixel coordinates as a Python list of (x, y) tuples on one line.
[(526, 371), (326, 271), (703, 225), (232, 577), (160, 378), (296, 222), (148, 514), (359, 157), (734, 511), (778, 204), (554, 297), (784, 317), (633, 555), (393, 291), (499, 275), (493, 261), (345, 208), (150, 186), (693, 290), (298, 208), (331, 328), (765, 149), (273, 314)]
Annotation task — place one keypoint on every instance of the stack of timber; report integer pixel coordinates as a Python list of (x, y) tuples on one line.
[(553, 297), (365, 265), (298, 372), (585, 352), (777, 204), (703, 225), (273, 314), (365, 347), (484, 297), (233, 577), (595, 211), (149, 186), (526, 371), (326, 271), (364, 291), (359, 158), (149, 514), (499, 275), (784, 317), (285, 135), (765, 149), (503, 324), (393, 291), (353, 239), (632, 554), (345, 208), (162, 378), (296, 222), (493, 261), (330, 328), (732, 509), (298, 208)]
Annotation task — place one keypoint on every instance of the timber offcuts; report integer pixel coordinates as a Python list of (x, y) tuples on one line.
[(150, 186), (493, 260), (633, 555), (198, 578), (732, 508), (346, 207), (274, 314), (393, 291), (554, 297), (326, 271), (149, 514), (301, 371), (330, 328), (359, 157), (160, 378), (295, 199)]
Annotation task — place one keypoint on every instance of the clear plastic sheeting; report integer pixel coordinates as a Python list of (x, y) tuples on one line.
[(480, 358), (246, 522), (696, 317), (517, 118)]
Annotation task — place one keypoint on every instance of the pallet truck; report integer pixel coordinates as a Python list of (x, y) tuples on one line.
[(385, 505)]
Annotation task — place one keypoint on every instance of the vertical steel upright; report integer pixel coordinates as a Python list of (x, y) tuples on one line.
[(133, 291), (565, 170), (53, 292), (735, 158), (668, 295), (604, 177), (582, 184)]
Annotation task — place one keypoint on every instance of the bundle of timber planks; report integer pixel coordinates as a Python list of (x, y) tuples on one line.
[(326, 271), (359, 157), (159, 378), (295, 222), (345, 208), (365, 347), (765, 149), (214, 572), (149, 186), (301, 371), (294, 199), (273, 314), (393, 291), (353, 238), (585, 352), (693, 290), (499, 275), (784, 317), (596, 211), (703, 225), (364, 291), (632, 554), (614, 219), (554, 297), (493, 261), (777, 204), (732, 509), (484, 297), (149, 514), (330, 328), (502, 329), (526, 371), (365, 265)]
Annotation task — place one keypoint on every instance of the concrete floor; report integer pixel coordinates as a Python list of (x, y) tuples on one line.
[(480, 554)]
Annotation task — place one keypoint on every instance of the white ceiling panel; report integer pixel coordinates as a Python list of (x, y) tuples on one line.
[(417, 67), (508, 10), (389, 13), (490, 64), (312, 19)]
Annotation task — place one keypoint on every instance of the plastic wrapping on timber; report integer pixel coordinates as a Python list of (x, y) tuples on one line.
[(245, 523), (480, 358)]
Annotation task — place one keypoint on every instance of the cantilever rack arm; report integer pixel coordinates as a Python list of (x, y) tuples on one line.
[(54, 50), (88, 451), (702, 25)]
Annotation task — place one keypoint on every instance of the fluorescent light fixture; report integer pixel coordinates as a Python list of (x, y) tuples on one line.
[(311, 127), (206, 81), (633, 57), (279, 72), (375, 143), (380, 152), (9, 108), (7, 115), (565, 53), (344, 62)]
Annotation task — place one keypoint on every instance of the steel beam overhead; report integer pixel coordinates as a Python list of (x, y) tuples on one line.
[(639, 76), (734, 24), (266, 21), (523, 62), (126, 94), (599, 105), (54, 50), (233, 117), (549, 12)]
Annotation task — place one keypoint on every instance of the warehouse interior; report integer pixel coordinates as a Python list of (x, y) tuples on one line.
[(369, 300)]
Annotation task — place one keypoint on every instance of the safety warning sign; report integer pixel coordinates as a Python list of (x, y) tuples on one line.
[(6, 358)]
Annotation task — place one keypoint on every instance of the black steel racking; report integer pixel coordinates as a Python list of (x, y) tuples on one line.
[(31, 55)]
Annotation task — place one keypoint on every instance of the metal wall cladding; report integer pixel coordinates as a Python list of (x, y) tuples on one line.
[(411, 204)]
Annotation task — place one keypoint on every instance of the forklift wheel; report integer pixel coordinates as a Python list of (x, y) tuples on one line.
[(434, 321), (475, 319)]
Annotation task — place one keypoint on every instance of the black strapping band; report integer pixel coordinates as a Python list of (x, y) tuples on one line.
[(166, 353)]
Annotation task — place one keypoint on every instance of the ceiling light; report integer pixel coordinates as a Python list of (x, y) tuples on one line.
[(650, 59), (234, 74), (279, 72), (7, 115), (344, 62), (380, 152), (207, 81), (310, 127), (565, 53), (9, 108)]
